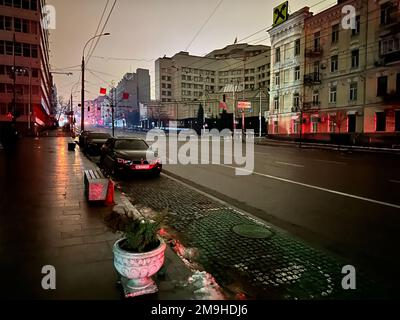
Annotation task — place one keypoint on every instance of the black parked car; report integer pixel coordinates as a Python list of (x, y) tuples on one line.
[(94, 142), (82, 138), (124, 155)]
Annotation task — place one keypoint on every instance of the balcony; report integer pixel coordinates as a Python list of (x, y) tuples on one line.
[(392, 97), (314, 52), (312, 105), (390, 57), (313, 78)]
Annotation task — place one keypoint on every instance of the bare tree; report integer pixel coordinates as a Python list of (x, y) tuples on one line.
[(340, 120)]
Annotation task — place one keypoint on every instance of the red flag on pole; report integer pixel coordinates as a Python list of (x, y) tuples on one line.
[(103, 91), (125, 96)]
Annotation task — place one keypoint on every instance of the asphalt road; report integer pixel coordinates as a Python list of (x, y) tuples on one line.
[(346, 202)]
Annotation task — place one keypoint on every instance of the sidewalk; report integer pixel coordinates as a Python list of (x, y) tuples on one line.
[(45, 220)]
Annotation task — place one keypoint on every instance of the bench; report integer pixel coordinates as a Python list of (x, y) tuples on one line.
[(97, 186)]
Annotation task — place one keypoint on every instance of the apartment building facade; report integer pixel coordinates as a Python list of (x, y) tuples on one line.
[(137, 86), (236, 72), (24, 51), (287, 73), (348, 89)]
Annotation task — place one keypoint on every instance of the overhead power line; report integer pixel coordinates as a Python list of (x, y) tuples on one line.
[(101, 32), (204, 24), (98, 27)]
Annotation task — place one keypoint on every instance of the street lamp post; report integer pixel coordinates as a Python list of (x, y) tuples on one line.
[(83, 79)]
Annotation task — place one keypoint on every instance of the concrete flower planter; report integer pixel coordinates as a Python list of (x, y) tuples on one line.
[(136, 269)]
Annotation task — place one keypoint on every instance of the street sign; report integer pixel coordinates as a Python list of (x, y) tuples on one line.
[(281, 13), (244, 105)]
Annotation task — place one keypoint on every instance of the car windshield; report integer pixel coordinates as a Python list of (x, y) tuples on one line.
[(131, 145), (98, 135)]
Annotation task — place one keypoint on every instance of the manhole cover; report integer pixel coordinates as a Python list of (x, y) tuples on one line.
[(252, 231)]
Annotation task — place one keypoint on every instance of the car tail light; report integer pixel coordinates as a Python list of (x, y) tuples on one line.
[(155, 161), (123, 161)]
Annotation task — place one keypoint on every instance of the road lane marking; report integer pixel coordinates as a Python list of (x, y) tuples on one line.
[(330, 161), (317, 188), (394, 181), (290, 164)]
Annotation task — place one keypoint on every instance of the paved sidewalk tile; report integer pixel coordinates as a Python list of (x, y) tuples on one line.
[(263, 262)]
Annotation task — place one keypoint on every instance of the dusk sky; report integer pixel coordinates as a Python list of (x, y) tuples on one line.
[(151, 29)]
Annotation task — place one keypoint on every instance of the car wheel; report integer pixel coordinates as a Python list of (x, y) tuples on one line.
[(156, 174), (114, 172)]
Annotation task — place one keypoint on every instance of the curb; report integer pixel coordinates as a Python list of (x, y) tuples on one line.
[(328, 147)]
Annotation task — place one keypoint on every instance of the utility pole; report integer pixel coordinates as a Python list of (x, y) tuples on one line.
[(234, 107), (113, 102), (83, 95), (83, 79), (30, 98), (14, 116), (259, 116)]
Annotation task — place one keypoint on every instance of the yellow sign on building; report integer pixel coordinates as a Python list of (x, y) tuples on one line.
[(281, 13)]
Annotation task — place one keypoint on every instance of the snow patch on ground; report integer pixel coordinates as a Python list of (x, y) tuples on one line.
[(204, 286)]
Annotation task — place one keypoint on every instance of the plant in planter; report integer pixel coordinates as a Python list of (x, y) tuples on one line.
[(139, 254)]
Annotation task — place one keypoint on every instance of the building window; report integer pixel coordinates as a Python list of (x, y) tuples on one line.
[(334, 63), (277, 54), (8, 23), (163, 85), (382, 86), (277, 79), (398, 84), (17, 25), (332, 94), (332, 125), (335, 33), (355, 58), (386, 10), (380, 121), (297, 74), (315, 98), (276, 127), (18, 49), (297, 47), (316, 68), (314, 124), (356, 31), (296, 101), (353, 91), (397, 120), (9, 48), (276, 103), (317, 41), (389, 45), (296, 126)]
